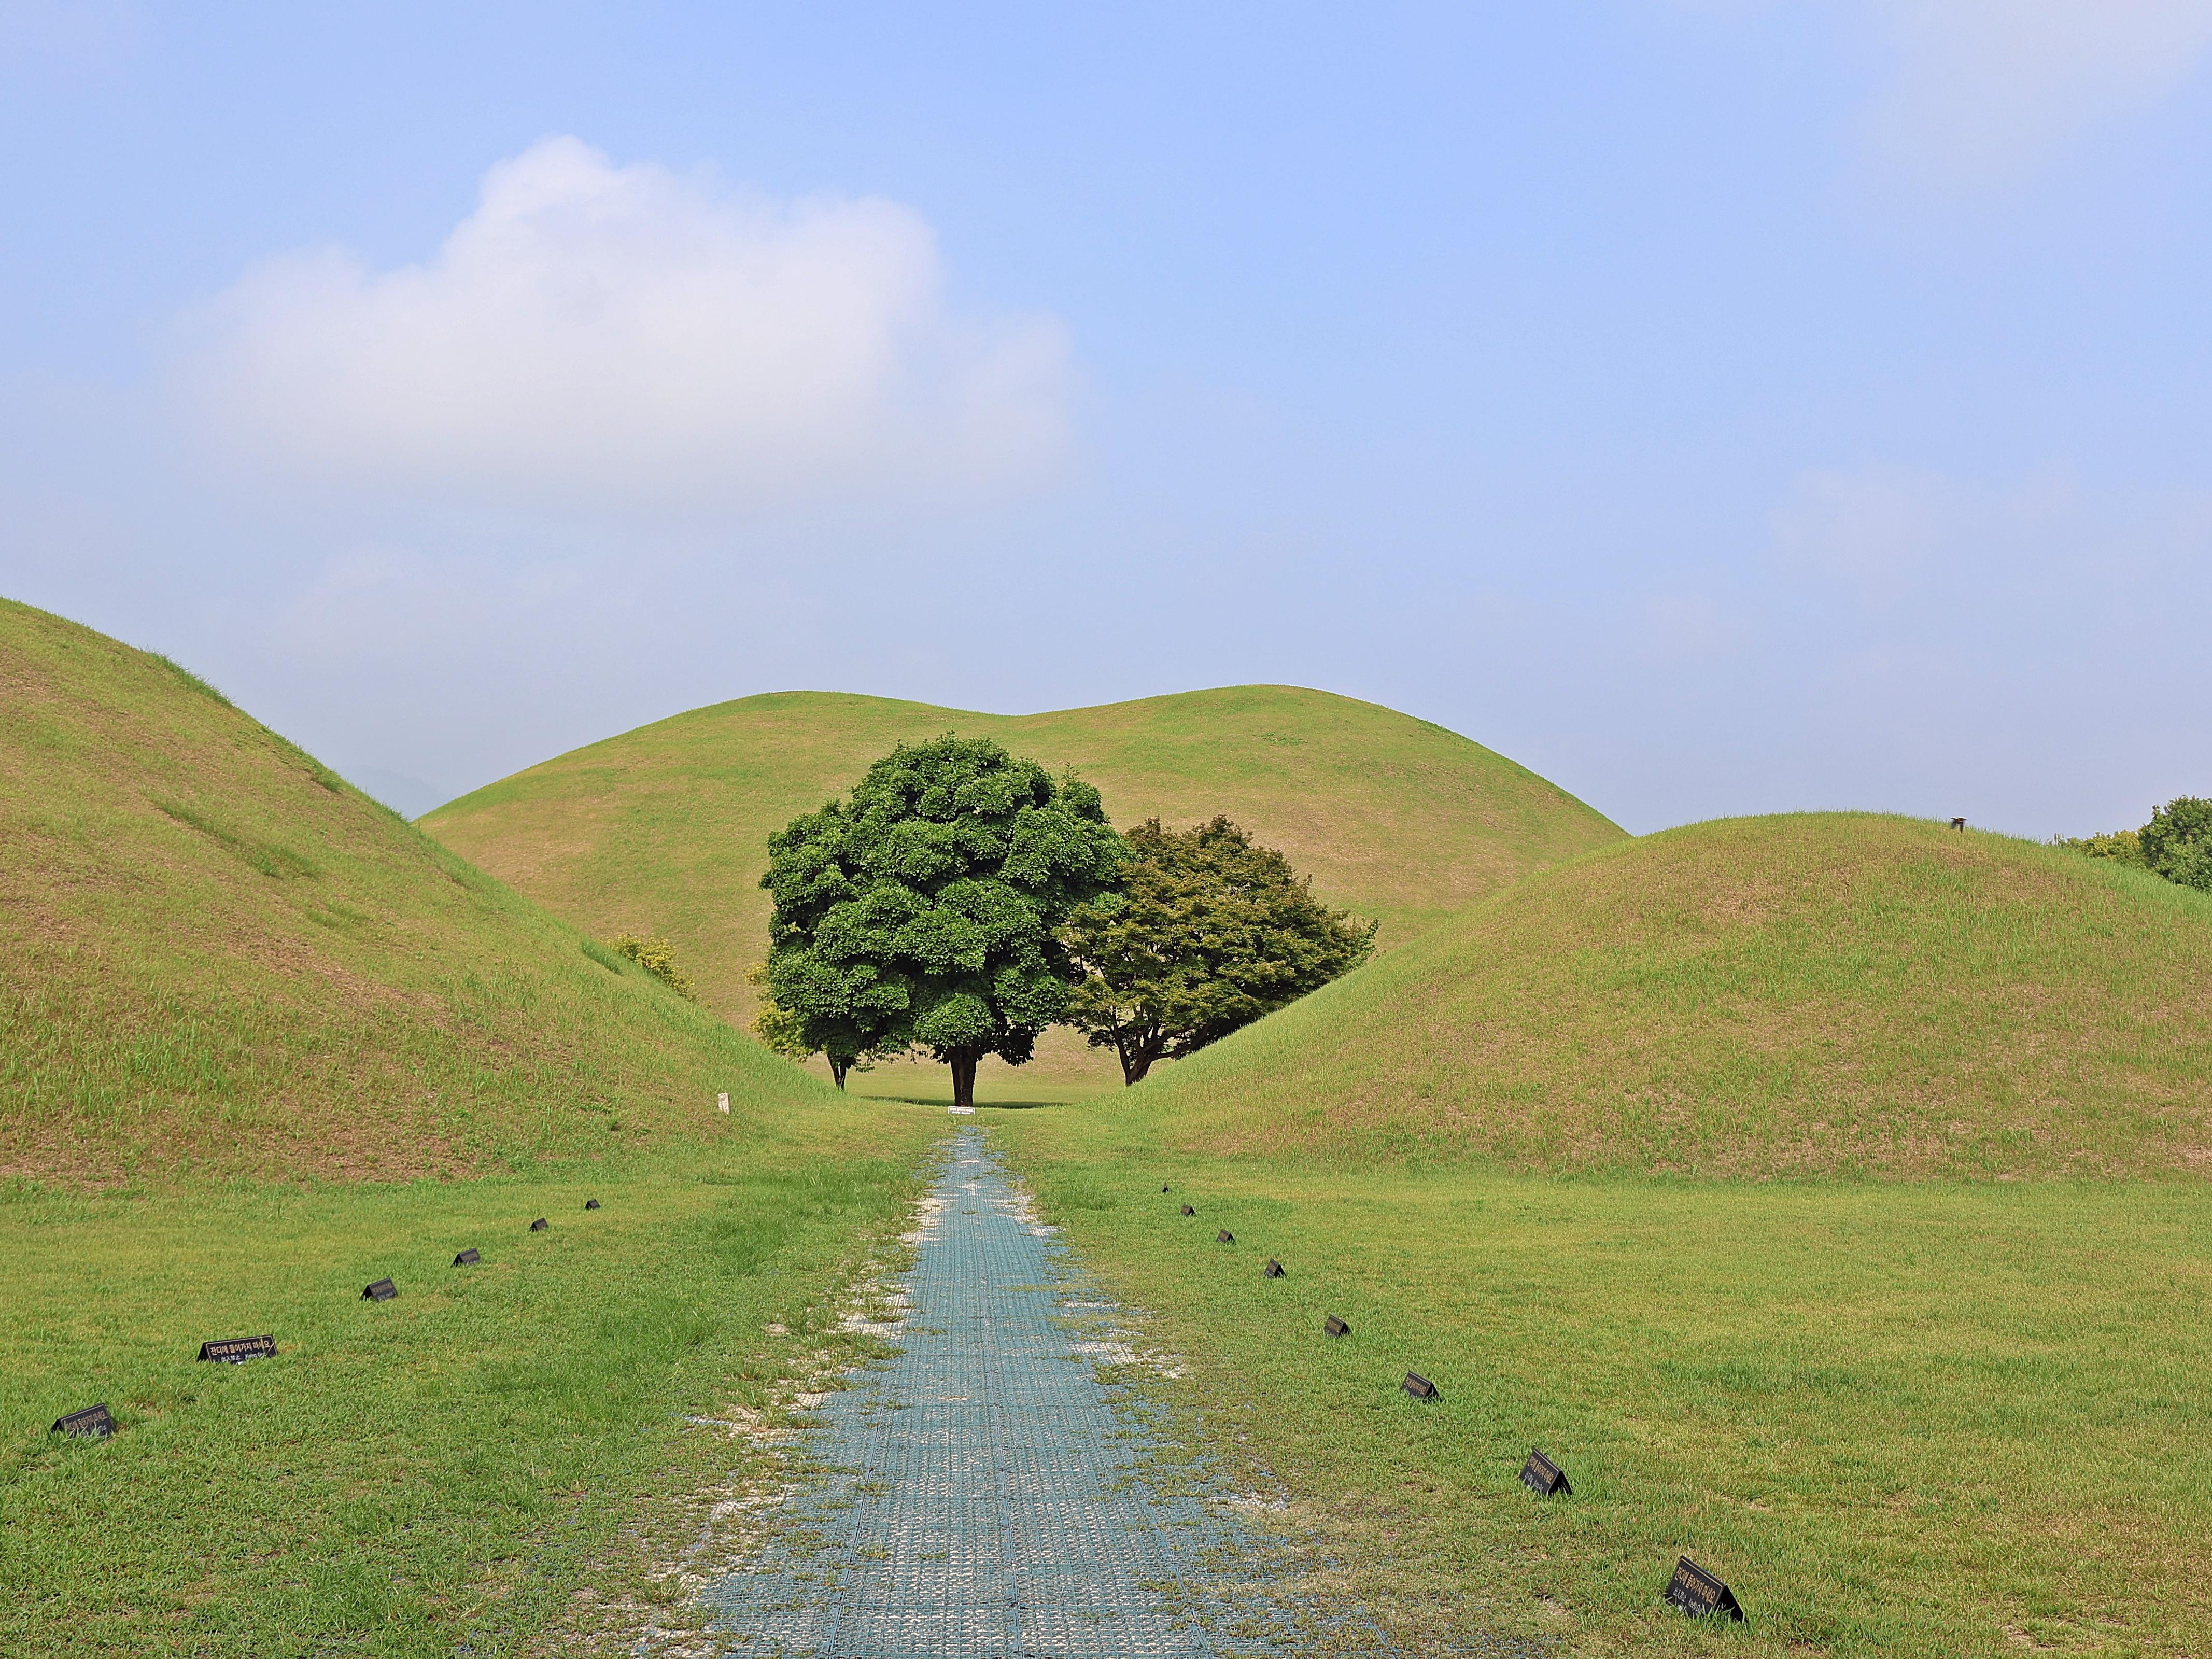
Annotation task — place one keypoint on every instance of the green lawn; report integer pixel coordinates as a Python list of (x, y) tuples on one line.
[(1920, 1420), (440, 1473)]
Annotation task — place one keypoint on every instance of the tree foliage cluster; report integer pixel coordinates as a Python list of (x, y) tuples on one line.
[(2176, 843), (964, 900), (1204, 933)]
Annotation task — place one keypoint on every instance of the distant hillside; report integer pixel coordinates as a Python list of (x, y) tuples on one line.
[(215, 954), (666, 829), (1809, 994)]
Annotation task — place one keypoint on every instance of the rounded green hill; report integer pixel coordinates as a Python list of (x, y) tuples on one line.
[(1808, 994), (215, 954), (664, 830)]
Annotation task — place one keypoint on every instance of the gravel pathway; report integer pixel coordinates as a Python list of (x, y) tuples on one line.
[(989, 1501)]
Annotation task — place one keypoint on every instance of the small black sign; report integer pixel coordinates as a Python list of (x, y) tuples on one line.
[(1186, 1210), (383, 1290), (1699, 1594), (1420, 1387), (237, 1350), (540, 1225), (1544, 1476), (1333, 1326), (92, 1421), (1225, 1237), (467, 1258), (1273, 1269), (591, 1203)]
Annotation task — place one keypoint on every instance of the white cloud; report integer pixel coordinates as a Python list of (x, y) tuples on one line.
[(1874, 528), (1974, 91), (1984, 87), (621, 338)]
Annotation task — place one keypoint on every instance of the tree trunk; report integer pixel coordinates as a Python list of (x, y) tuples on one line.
[(963, 1078), (1138, 1051), (839, 1065)]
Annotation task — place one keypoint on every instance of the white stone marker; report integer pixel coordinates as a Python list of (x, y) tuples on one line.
[(722, 1104)]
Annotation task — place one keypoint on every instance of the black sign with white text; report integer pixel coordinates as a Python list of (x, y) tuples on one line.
[(237, 1350), (1699, 1594), (1544, 1476)]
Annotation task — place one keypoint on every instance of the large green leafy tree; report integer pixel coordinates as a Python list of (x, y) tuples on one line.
[(925, 910), (1206, 933)]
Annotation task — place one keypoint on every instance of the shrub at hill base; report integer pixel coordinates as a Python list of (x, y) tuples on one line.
[(924, 912)]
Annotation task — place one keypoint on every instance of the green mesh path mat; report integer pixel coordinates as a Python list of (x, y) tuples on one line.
[(989, 1501)]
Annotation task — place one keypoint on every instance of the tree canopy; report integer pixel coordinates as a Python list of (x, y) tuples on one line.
[(1206, 933), (925, 910), (2176, 843)]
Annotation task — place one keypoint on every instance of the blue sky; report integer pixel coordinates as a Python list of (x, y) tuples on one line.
[(1719, 406)]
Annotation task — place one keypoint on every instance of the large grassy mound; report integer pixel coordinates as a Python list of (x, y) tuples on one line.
[(664, 830), (1807, 993), (217, 955)]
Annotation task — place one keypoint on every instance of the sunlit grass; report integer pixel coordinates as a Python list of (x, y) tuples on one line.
[(436, 1474), (1946, 1419), (1810, 994)]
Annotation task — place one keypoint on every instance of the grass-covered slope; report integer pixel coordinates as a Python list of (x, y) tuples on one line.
[(664, 830), (1807, 993), (1898, 1418), (217, 955)]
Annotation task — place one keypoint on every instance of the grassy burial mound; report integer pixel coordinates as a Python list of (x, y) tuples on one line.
[(215, 954), (664, 830), (1800, 994)]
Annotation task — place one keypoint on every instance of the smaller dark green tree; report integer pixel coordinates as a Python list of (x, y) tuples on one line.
[(1207, 933), (785, 1033), (2177, 842)]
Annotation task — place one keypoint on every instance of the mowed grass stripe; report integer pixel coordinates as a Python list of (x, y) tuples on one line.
[(1938, 1419), (435, 1472)]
